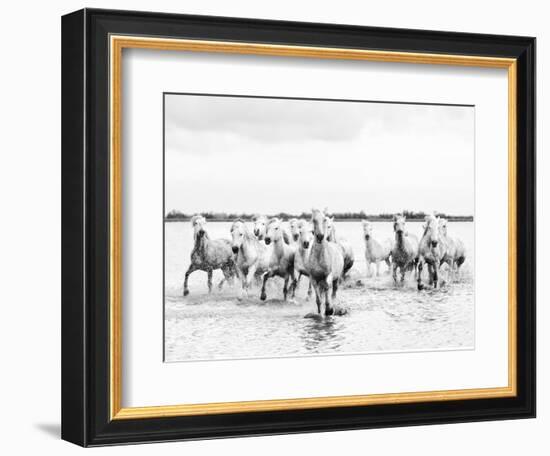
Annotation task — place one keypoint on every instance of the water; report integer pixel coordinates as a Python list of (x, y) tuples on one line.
[(381, 318)]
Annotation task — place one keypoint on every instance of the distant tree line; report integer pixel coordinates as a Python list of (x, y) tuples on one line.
[(175, 215)]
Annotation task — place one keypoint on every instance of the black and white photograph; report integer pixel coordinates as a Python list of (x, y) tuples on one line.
[(299, 227)]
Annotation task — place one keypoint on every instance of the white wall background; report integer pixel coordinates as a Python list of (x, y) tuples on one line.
[(30, 244)]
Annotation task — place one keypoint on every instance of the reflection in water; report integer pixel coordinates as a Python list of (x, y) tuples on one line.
[(382, 317), (322, 334)]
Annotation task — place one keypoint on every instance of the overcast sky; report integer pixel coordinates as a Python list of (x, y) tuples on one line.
[(259, 155)]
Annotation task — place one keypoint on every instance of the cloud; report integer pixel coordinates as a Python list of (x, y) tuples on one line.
[(269, 155), (265, 120)]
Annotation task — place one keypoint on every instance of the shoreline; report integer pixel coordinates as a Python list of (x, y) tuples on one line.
[(370, 219)]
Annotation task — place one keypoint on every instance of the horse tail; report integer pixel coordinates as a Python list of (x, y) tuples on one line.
[(348, 264), (349, 259)]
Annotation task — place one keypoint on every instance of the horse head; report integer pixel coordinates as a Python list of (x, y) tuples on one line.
[(320, 225), (305, 234), (294, 228), (431, 231), (198, 222), (238, 232), (399, 226), (367, 229), (274, 231), (331, 230), (260, 226), (443, 226)]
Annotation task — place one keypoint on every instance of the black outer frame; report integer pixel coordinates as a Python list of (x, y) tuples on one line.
[(85, 227)]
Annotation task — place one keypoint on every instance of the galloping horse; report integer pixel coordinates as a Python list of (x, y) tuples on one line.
[(325, 264), (209, 255), (430, 251), (281, 263), (347, 251), (405, 249), (375, 252), (251, 256), (301, 259), (455, 253)]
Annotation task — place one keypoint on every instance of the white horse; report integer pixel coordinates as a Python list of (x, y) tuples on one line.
[(209, 255), (430, 252), (325, 264), (375, 252), (251, 255), (301, 259), (281, 263), (455, 252), (404, 254)]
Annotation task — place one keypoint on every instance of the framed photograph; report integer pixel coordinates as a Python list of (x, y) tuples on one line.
[(278, 227)]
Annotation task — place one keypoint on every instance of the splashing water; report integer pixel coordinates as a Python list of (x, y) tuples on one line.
[(382, 317)]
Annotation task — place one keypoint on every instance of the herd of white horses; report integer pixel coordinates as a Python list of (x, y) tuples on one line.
[(312, 248)]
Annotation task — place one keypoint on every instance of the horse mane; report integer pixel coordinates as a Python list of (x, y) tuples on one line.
[(429, 219), (316, 211), (234, 224), (247, 234), (199, 242)]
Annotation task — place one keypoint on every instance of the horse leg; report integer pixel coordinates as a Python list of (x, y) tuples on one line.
[(394, 272), (227, 276), (317, 295), (419, 275), (430, 274), (450, 274), (403, 271), (266, 277), (453, 267), (192, 268), (250, 276), (242, 278), (377, 268), (309, 291), (334, 288), (210, 273), (295, 285), (388, 264), (294, 282), (436, 273), (285, 287), (328, 304)]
